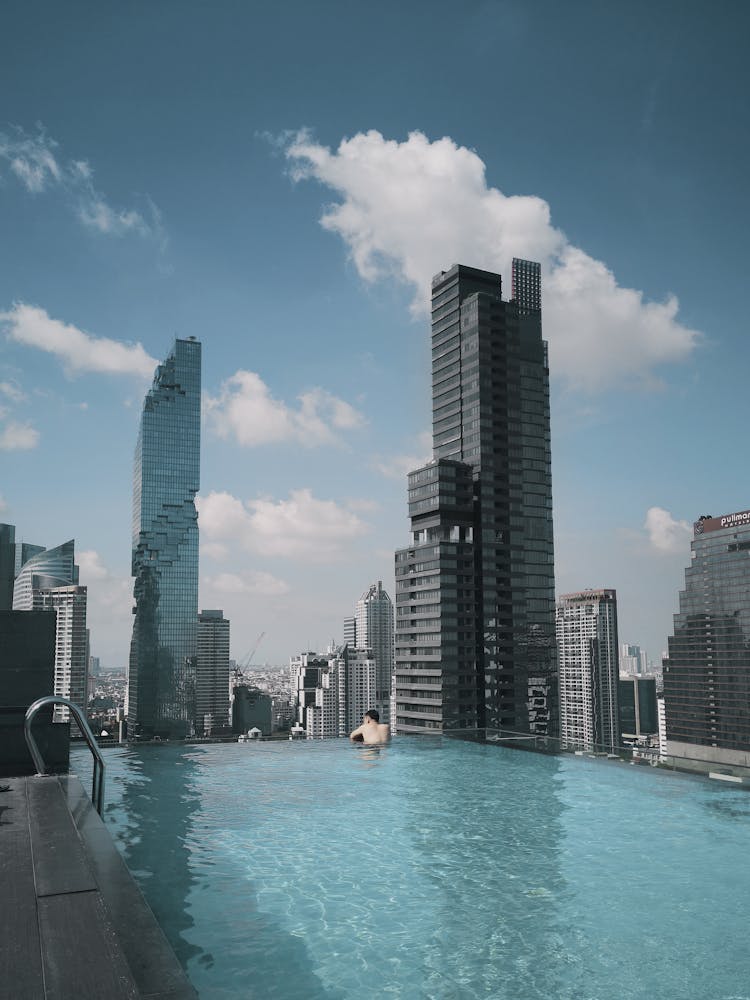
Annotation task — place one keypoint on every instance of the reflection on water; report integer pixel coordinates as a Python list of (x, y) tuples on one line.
[(157, 794)]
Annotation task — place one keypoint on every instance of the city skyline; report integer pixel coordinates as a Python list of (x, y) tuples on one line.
[(295, 231)]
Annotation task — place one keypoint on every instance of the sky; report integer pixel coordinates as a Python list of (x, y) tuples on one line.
[(281, 182)]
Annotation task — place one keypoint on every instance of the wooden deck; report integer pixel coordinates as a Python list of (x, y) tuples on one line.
[(73, 923)]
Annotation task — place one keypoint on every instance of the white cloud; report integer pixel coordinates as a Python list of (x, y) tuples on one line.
[(33, 160), (255, 583), (665, 533), (13, 392), (363, 505), (79, 351), (91, 566), (399, 466), (410, 209), (216, 551), (301, 527), (18, 437), (246, 410)]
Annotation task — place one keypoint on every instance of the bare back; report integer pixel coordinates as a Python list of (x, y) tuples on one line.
[(376, 732)]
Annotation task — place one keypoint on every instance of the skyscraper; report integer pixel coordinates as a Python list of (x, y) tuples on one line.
[(587, 649), (163, 649), (707, 673), (475, 640), (48, 581), (212, 672), (374, 631)]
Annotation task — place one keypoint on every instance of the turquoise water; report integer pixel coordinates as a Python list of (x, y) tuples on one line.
[(435, 869)]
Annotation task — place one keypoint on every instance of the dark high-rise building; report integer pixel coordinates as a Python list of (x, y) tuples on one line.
[(707, 673), (212, 673), (7, 565), (639, 714), (475, 603), (163, 650)]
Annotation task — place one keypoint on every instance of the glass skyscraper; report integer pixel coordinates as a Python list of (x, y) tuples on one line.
[(707, 673), (163, 650), (475, 602)]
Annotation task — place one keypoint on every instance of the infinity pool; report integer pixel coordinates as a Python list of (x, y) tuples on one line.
[(435, 869)]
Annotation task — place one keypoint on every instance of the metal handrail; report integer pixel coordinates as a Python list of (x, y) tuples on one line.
[(97, 781)]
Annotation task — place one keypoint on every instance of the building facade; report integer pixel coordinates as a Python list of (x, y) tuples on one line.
[(362, 677), (251, 709), (475, 639), (332, 691), (587, 648), (163, 649), (48, 581), (212, 673), (633, 659), (374, 632), (638, 709), (707, 672)]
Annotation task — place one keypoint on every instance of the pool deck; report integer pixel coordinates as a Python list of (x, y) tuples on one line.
[(73, 923)]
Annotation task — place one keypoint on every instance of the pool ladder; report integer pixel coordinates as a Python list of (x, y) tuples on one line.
[(97, 781)]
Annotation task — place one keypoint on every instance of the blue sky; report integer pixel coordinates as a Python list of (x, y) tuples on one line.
[(281, 183)]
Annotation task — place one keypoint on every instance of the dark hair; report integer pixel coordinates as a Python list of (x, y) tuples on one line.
[(374, 714)]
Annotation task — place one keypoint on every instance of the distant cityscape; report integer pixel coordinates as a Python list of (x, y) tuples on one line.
[(474, 642)]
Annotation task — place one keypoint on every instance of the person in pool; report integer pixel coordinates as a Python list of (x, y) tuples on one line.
[(372, 729)]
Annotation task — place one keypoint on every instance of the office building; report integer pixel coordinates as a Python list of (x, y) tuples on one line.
[(362, 679), (332, 691), (212, 673), (251, 709), (350, 631), (638, 709), (586, 626), (163, 650), (45, 568), (7, 565), (27, 657), (48, 581), (306, 670), (633, 659), (475, 607), (707, 672), (374, 632)]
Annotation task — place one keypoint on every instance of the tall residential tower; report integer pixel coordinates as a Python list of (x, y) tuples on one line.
[(163, 650), (475, 604), (587, 651)]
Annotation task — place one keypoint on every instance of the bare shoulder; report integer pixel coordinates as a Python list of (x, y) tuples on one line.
[(384, 732)]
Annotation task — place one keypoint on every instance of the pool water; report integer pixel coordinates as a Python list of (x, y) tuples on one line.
[(435, 869)]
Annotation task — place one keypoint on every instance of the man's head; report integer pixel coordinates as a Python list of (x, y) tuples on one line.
[(373, 715)]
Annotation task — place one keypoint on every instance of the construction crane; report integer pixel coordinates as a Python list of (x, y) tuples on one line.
[(247, 660)]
